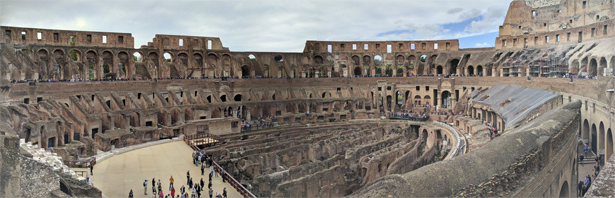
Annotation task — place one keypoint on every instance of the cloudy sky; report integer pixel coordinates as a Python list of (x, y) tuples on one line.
[(269, 25)]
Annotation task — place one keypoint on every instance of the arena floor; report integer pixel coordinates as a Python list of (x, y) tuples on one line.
[(118, 174)]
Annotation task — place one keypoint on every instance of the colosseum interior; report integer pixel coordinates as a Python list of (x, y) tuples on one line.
[(351, 118)]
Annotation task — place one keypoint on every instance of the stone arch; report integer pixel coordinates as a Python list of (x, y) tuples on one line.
[(574, 67), (198, 59), (417, 100), (357, 71), (58, 70), (278, 58), (318, 60), (470, 70), (367, 60), (427, 100), (585, 130), (400, 60), (609, 144), (245, 71), (168, 57), (439, 69), (601, 66), (583, 66), (356, 60), (125, 60), (601, 136), (452, 66), (212, 59), (594, 139), (43, 56), (479, 70), (237, 97), (183, 59), (593, 68), (216, 112), (137, 57), (564, 190), (302, 107), (227, 61), (75, 55), (107, 62), (445, 99)]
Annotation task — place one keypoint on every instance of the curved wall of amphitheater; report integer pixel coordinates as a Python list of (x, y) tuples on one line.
[(146, 97)]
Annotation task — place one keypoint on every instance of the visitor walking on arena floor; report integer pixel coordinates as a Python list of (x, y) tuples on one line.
[(171, 180), (145, 187)]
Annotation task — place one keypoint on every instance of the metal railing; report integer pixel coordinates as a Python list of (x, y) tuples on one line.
[(234, 183), (458, 146)]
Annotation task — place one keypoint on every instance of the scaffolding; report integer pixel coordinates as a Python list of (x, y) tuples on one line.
[(553, 66)]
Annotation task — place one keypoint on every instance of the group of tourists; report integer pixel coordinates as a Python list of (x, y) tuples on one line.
[(194, 188), (584, 185)]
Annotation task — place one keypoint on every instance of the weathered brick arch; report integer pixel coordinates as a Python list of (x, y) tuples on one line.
[(318, 60)]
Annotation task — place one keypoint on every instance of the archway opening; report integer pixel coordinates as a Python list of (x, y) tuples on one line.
[(564, 191), (446, 99), (357, 71), (593, 68), (585, 131), (453, 66), (167, 57), (609, 144), (470, 70), (137, 57), (601, 136), (479, 70), (278, 58), (245, 71), (594, 141), (439, 70)]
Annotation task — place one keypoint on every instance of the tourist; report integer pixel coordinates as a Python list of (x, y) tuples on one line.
[(193, 193), (202, 169), (218, 195), (161, 194), (202, 183), (130, 195), (172, 192), (187, 177), (580, 189), (182, 189), (159, 185), (224, 192), (586, 149), (171, 180), (211, 192), (581, 161), (91, 169), (145, 187), (198, 191)]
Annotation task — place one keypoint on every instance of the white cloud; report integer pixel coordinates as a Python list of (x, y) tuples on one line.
[(482, 45), (260, 25), (490, 21)]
